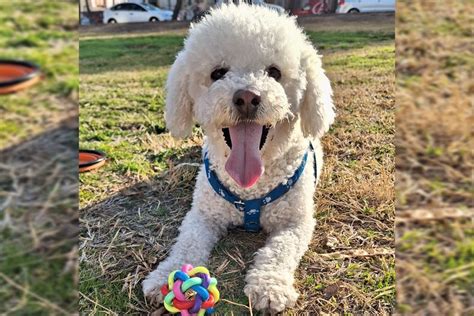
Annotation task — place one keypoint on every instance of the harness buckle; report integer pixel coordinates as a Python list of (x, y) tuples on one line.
[(239, 205)]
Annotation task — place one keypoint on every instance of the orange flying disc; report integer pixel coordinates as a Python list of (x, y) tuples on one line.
[(90, 159), (17, 75)]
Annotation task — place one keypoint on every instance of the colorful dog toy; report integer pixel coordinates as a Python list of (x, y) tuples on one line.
[(190, 291)]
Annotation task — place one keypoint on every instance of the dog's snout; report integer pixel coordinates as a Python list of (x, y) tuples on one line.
[(246, 102)]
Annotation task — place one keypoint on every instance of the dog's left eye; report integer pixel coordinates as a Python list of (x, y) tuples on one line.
[(218, 73), (274, 72)]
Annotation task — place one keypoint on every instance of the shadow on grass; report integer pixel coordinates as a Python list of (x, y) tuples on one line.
[(125, 236), (39, 223)]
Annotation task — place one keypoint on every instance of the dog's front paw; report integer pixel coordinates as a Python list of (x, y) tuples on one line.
[(151, 287), (270, 291)]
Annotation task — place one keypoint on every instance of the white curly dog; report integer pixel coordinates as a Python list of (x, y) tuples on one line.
[(255, 84)]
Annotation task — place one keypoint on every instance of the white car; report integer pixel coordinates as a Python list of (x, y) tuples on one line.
[(356, 6), (269, 5), (135, 12)]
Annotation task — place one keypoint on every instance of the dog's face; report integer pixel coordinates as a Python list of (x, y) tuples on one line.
[(245, 72)]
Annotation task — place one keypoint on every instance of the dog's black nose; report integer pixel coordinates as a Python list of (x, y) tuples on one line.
[(246, 102)]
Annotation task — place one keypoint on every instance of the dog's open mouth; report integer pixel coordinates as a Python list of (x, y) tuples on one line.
[(263, 139), (245, 140)]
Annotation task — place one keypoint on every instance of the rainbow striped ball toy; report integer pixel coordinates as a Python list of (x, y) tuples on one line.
[(190, 291)]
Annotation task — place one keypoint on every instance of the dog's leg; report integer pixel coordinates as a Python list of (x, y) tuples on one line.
[(270, 280), (193, 246)]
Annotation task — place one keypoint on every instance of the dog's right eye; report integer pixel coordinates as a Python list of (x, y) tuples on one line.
[(218, 73)]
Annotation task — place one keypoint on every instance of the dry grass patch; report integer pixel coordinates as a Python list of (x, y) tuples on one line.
[(435, 236)]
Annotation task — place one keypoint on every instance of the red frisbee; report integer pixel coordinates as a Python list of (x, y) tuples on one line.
[(90, 160), (17, 75)]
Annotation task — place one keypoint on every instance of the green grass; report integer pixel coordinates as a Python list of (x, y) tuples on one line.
[(111, 293), (37, 273), (446, 253), (122, 102), (374, 58), (330, 41), (117, 54)]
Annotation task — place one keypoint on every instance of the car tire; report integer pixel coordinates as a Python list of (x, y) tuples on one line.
[(154, 20), (112, 21), (353, 10)]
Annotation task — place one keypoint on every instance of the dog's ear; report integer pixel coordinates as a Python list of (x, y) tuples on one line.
[(317, 109), (179, 106)]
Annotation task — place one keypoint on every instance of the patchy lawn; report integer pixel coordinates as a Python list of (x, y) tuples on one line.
[(45, 33), (38, 185), (132, 207), (435, 235)]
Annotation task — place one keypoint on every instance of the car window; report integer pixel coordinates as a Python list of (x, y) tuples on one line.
[(136, 7), (128, 7), (117, 7), (125, 7), (149, 7)]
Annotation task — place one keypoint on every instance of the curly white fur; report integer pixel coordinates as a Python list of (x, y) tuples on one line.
[(247, 40)]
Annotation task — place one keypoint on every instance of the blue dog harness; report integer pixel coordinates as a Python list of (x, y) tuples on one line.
[(251, 208)]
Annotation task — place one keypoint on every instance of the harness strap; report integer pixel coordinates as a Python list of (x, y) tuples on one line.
[(251, 208)]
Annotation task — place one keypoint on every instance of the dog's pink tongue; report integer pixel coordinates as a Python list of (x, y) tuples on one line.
[(244, 164)]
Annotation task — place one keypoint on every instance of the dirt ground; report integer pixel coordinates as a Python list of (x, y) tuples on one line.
[(131, 208)]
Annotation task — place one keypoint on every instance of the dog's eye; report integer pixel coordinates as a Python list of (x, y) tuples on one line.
[(274, 72), (218, 73)]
